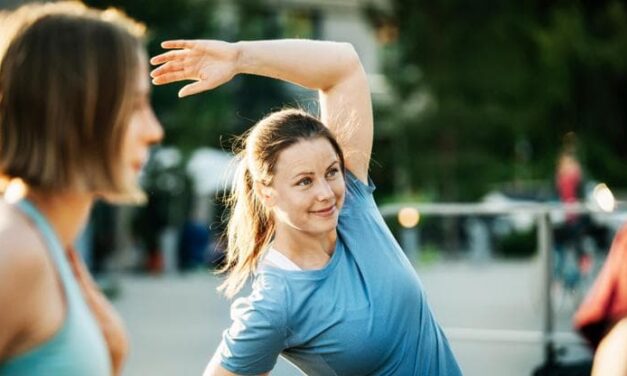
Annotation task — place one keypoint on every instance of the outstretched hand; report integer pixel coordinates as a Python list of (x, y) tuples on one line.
[(209, 63)]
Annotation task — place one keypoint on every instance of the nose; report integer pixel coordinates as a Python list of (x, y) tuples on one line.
[(153, 131), (324, 191)]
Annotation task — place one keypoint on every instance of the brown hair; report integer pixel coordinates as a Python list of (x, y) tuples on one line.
[(250, 227), (67, 86)]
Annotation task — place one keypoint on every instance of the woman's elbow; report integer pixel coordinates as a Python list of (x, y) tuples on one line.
[(351, 57)]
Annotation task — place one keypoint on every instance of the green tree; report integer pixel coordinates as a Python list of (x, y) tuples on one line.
[(473, 83), (256, 96), (194, 121)]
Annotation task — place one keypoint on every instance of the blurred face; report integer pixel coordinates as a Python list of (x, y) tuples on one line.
[(307, 192), (143, 130)]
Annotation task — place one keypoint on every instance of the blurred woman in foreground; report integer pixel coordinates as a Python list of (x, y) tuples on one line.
[(75, 126)]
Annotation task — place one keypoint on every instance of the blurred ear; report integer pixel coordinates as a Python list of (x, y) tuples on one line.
[(265, 194)]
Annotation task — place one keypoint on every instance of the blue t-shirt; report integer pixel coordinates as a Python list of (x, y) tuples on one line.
[(364, 313)]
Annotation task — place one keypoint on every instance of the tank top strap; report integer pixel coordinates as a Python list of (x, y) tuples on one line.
[(54, 246), (78, 348)]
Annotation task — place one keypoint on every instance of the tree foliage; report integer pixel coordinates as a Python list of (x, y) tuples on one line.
[(484, 92), (193, 121), (208, 119)]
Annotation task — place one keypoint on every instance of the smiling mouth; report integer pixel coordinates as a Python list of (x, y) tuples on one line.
[(325, 211)]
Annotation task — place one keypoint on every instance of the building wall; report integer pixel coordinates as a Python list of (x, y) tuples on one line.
[(348, 25)]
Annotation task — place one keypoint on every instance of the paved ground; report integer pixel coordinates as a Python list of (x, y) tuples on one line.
[(175, 321)]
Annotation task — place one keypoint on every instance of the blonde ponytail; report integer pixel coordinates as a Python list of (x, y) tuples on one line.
[(249, 231)]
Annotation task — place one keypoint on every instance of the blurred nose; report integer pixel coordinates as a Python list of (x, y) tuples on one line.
[(153, 131)]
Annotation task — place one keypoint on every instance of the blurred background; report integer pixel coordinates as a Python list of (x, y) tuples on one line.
[(488, 118)]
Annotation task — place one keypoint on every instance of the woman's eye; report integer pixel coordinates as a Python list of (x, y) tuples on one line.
[(332, 172), (303, 182)]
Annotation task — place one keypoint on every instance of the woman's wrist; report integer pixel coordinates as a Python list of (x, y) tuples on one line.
[(240, 63)]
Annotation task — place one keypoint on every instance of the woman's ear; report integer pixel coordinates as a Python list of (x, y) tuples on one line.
[(264, 193)]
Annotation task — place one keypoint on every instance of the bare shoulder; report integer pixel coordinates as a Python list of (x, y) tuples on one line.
[(22, 253), (17, 233), (23, 270)]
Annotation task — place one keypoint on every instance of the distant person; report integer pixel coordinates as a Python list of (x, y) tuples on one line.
[(569, 181), (75, 125), (147, 226), (194, 240), (571, 259), (333, 292), (602, 316)]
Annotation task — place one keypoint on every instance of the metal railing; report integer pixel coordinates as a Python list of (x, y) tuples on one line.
[(542, 212)]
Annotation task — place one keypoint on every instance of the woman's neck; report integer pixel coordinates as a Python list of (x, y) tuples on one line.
[(306, 250), (66, 212)]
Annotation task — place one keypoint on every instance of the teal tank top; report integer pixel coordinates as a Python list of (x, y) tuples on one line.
[(78, 348)]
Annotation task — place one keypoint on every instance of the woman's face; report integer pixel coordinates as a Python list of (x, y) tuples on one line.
[(143, 130), (307, 191)]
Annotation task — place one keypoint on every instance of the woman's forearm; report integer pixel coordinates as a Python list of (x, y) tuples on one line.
[(331, 68), (316, 65), (610, 357)]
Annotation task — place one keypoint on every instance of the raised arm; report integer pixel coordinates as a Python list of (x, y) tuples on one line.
[(331, 68)]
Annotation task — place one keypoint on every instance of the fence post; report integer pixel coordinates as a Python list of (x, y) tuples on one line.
[(545, 244)]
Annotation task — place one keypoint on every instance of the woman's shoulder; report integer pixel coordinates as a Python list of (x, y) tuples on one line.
[(359, 193), (265, 302), (20, 245), (269, 286), (23, 259), (24, 269), (359, 183)]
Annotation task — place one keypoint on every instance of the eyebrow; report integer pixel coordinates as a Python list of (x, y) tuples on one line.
[(306, 173)]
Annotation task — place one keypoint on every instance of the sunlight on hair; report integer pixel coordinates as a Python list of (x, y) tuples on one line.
[(15, 191), (114, 15)]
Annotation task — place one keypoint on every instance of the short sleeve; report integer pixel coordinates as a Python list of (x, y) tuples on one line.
[(358, 194), (258, 333)]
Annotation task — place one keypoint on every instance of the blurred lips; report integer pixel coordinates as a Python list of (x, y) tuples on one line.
[(139, 163), (137, 166)]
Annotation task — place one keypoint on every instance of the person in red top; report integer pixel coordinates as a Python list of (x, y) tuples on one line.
[(568, 181), (571, 260)]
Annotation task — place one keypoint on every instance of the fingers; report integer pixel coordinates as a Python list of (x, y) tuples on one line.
[(180, 43), (168, 67), (169, 77), (180, 64), (193, 88), (168, 56)]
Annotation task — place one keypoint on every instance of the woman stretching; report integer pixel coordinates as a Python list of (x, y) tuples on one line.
[(333, 292)]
